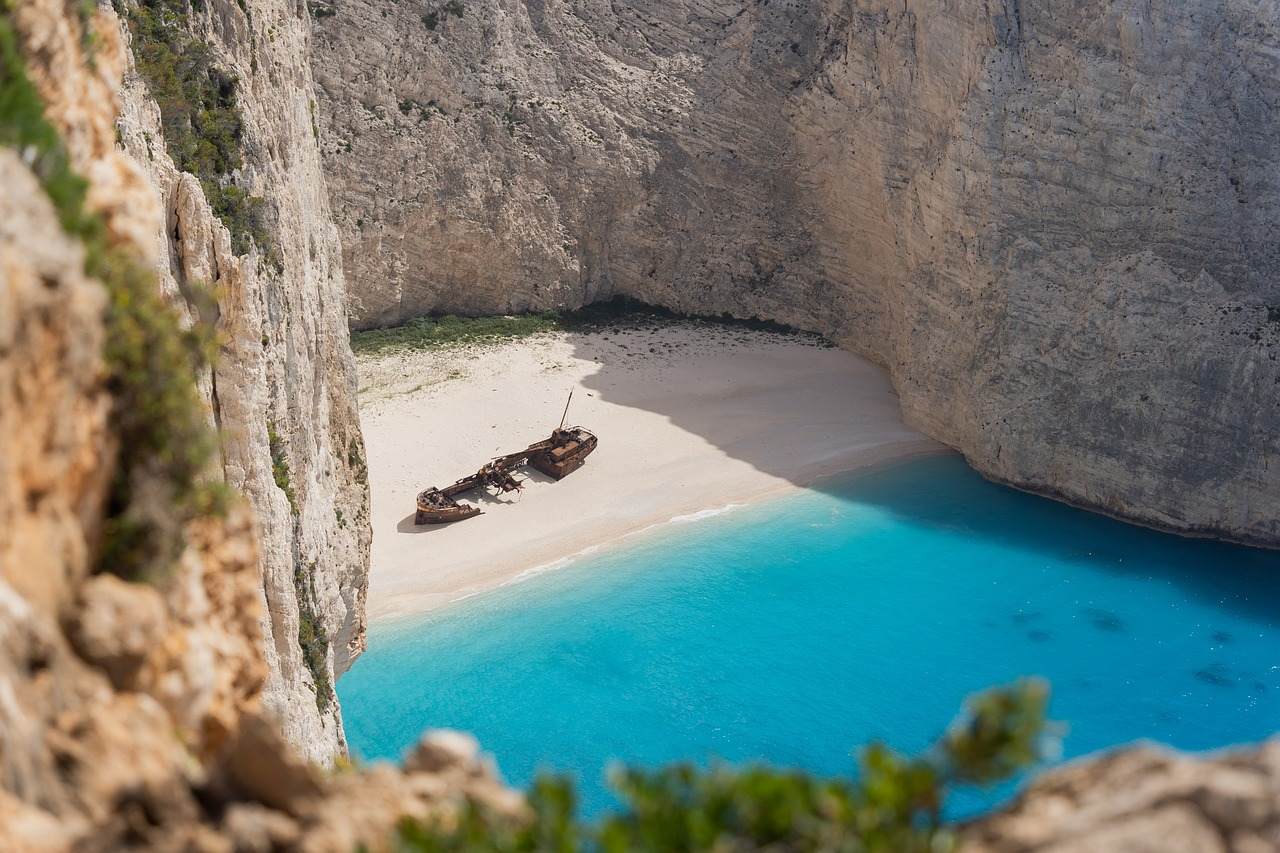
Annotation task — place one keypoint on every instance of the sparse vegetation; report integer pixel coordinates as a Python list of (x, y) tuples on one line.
[(202, 123), (431, 19), (355, 460), (510, 117), (312, 637), (408, 105), (280, 466), (426, 333), (435, 332), (165, 443), (895, 803)]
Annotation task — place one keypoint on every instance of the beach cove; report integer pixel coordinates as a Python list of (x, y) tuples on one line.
[(760, 564), (693, 417)]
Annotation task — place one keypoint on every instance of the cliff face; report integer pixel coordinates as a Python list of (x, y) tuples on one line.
[(282, 391), (129, 710), (101, 678), (1054, 225)]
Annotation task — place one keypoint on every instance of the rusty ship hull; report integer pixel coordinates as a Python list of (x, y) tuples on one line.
[(558, 456), (568, 453), (445, 514)]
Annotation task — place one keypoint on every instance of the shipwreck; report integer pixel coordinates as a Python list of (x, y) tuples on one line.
[(558, 456)]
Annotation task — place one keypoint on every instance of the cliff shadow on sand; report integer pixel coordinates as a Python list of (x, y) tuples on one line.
[(791, 407)]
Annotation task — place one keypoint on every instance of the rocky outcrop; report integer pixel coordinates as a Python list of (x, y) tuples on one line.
[(1054, 225), (282, 390), (1143, 799)]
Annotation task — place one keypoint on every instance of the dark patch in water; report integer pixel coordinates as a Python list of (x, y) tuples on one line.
[(1215, 674), (1222, 637), (1038, 636), (1259, 687), (1105, 620)]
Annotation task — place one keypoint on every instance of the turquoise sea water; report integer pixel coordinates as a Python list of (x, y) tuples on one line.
[(793, 631)]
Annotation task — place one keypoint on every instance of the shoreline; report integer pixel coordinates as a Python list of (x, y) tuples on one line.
[(516, 575), (692, 420)]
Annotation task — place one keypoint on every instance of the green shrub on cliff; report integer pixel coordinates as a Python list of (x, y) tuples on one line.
[(202, 124), (280, 467), (165, 443), (312, 637), (431, 20), (894, 805)]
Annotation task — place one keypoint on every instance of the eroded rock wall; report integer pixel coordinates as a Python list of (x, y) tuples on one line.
[(282, 392), (1055, 224)]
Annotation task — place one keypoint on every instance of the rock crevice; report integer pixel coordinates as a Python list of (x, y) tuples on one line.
[(282, 390)]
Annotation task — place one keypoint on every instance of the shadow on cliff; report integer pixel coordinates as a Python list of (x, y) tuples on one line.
[(943, 492)]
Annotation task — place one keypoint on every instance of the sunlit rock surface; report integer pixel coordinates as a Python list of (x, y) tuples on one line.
[(129, 713), (1144, 799), (1055, 224), (284, 365)]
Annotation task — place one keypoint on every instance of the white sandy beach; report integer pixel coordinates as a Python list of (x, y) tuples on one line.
[(691, 417)]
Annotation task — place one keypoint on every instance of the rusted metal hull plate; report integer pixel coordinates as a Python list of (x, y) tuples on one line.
[(446, 515), (557, 457)]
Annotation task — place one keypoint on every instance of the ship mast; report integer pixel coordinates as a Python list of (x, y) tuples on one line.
[(566, 410)]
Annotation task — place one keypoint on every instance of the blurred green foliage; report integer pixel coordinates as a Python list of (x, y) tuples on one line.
[(894, 805)]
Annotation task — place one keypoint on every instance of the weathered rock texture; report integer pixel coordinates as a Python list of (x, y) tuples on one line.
[(285, 365), (1055, 224), (1144, 799), (129, 712)]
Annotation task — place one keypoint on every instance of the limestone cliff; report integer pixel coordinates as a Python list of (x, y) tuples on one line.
[(1055, 224), (282, 392), (129, 706)]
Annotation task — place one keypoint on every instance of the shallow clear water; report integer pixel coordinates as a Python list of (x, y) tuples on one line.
[(793, 631)]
